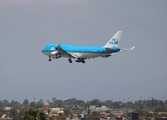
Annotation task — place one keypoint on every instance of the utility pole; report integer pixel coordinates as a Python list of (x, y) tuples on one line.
[(34, 103)]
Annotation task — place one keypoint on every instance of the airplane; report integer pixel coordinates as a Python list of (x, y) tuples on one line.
[(81, 53)]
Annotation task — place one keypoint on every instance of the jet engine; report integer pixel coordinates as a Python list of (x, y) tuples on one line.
[(54, 52)]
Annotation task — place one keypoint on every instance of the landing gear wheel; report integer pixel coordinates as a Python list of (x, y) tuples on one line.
[(70, 61), (80, 60), (50, 58)]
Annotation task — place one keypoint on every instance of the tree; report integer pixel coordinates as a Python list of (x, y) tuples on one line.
[(39, 104), (53, 99), (13, 111), (71, 116), (95, 102), (60, 116), (67, 111), (23, 113), (1, 103), (57, 103), (111, 116), (71, 102), (116, 105), (130, 104), (5, 103), (155, 115), (32, 105), (160, 109), (79, 116), (32, 114), (165, 103), (95, 115), (52, 118), (80, 103), (108, 103), (126, 115), (140, 106), (25, 104)]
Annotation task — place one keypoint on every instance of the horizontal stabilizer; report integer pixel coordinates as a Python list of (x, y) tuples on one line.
[(124, 50)]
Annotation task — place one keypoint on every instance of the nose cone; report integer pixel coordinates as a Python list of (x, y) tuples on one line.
[(44, 50)]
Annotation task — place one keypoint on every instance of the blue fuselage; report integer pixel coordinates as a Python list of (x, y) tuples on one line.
[(81, 49)]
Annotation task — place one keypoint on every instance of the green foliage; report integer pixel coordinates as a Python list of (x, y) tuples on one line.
[(79, 115), (71, 102), (80, 103), (13, 111), (116, 105), (77, 106), (32, 105), (57, 103), (5, 103), (111, 116), (25, 102), (67, 111), (108, 103), (126, 115), (32, 114), (95, 102), (160, 109), (94, 115)]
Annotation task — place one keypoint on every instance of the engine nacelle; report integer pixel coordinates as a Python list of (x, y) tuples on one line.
[(54, 52), (105, 56), (54, 57)]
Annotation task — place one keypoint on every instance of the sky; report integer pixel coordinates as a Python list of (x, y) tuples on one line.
[(27, 26)]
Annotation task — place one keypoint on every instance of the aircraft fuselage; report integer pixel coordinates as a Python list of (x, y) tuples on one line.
[(55, 51), (78, 51)]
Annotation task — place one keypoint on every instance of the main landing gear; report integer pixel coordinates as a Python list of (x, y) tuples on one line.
[(80, 60), (69, 60)]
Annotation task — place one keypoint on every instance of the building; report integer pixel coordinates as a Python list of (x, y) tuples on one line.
[(51, 111), (46, 107)]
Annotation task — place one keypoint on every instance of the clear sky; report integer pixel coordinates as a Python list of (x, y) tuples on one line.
[(26, 26)]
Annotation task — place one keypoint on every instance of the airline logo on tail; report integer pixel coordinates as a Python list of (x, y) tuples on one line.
[(114, 41)]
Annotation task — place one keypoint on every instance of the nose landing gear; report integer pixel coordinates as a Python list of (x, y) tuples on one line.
[(50, 58)]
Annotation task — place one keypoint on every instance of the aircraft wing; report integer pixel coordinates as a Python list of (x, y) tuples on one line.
[(62, 51), (124, 50)]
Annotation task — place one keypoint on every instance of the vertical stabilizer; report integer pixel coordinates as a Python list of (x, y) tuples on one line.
[(114, 41)]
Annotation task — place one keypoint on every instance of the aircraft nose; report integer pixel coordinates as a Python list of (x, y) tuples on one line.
[(43, 50)]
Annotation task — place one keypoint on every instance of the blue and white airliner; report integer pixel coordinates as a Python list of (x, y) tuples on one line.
[(81, 53)]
